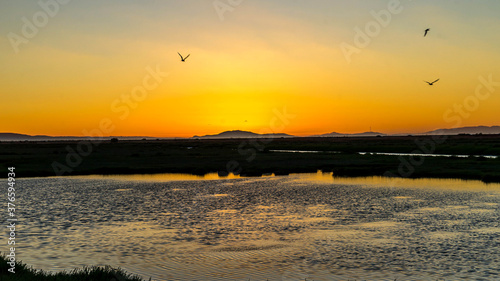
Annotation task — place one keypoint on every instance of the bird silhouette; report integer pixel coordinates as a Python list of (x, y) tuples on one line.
[(431, 83), (182, 58), (426, 31)]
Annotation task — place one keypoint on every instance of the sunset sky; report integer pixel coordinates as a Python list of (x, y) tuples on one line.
[(69, 65)]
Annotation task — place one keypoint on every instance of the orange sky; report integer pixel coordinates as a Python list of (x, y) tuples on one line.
[(90, 61)]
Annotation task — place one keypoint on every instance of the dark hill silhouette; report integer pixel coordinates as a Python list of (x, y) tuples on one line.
[(493, 130), (13, 137), (365, 134), (237, 134), (24, 137)]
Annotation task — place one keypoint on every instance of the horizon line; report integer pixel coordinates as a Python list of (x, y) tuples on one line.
[(263, 134)]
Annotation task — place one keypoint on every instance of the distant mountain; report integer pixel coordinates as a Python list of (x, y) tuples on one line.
[(332, 134), (245, 134), (368, 134), (467, 130), (13, 137), (237, 134), (23, 137), (365, 134), (455, 131)]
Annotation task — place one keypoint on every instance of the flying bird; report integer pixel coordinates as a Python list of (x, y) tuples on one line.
[(182, 58), (431, 83), (426, 31)]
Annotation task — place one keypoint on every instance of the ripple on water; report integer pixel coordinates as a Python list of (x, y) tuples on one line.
[(264, 228)]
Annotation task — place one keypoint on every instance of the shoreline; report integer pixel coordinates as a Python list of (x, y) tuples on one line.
[(256, 157), (23, 271), (224, 176)]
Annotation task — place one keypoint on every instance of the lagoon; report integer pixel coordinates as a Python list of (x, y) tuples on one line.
[(314, 226), (391, 154)]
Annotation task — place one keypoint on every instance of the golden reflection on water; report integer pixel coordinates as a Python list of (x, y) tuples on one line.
[(306, 178), (162, 177), (432, 183), (265, 227)]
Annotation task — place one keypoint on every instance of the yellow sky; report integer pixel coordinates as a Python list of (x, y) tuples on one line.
[(90, 61)]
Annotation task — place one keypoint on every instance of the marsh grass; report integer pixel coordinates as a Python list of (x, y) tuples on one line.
[(92, 273), (24, 272), (255, 157)]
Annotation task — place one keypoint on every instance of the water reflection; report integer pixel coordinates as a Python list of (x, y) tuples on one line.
[(428, 155), (426, 183), (390, 154), (312, 226), (162, 177)]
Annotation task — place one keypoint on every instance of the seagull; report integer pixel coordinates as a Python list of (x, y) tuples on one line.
[(426, 31), (431, 83), (182, 58)]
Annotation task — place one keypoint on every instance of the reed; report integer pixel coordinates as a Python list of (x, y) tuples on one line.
[(24, 272)]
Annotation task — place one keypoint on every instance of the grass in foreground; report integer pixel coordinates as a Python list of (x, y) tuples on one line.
[(93, 273)]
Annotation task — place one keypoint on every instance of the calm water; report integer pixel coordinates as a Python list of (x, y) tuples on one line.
[(391, 154), (309, 226)]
